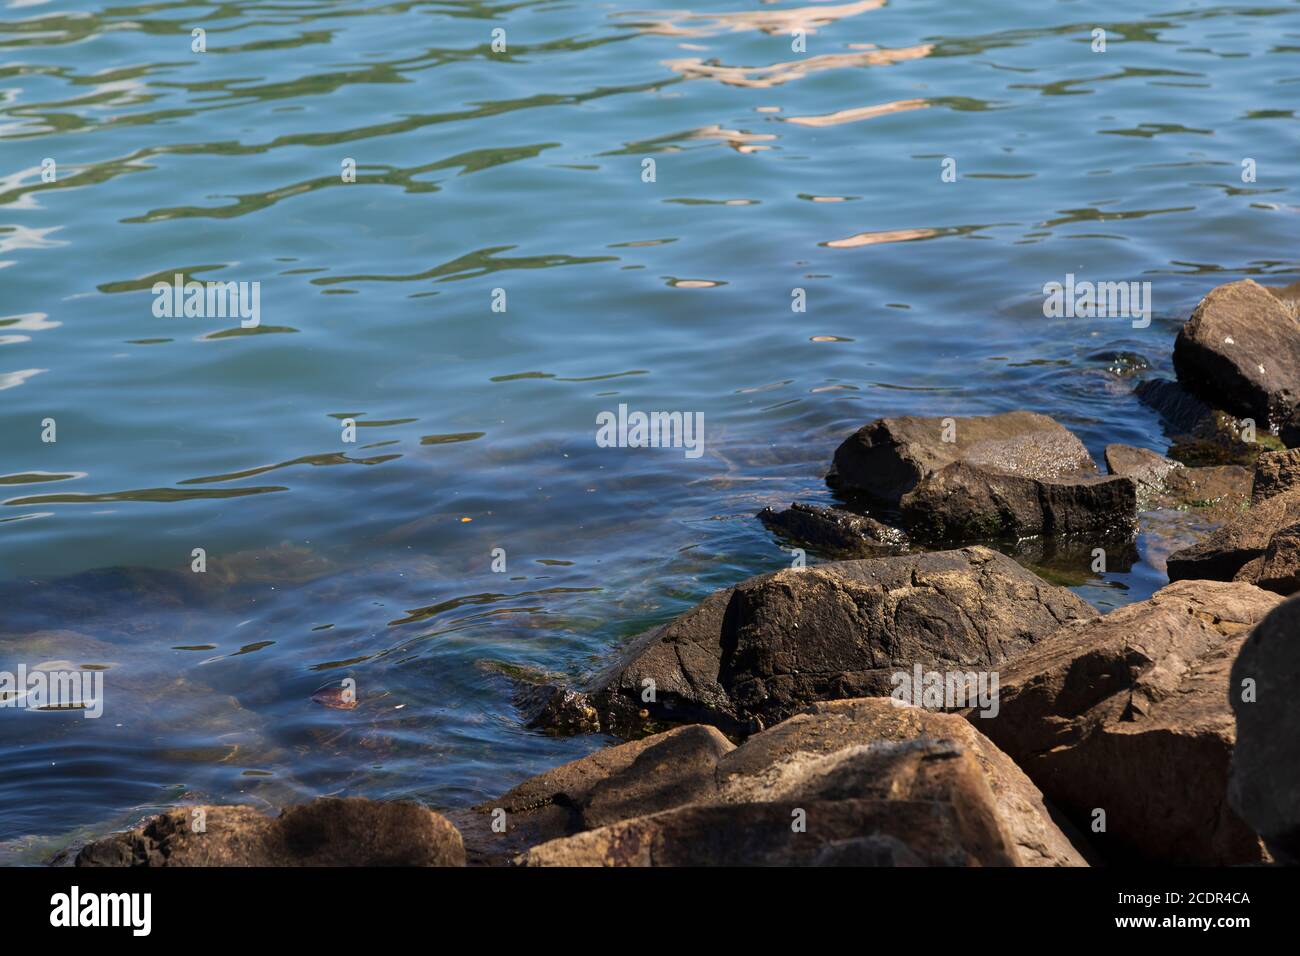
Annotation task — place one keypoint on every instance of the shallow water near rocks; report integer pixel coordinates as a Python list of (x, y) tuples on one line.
[(522, 171)]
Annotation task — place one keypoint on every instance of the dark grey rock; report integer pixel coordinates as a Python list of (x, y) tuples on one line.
[(750, 656), (890, 456), (1240, 351), (834, 532), (1264, 786), (963, 502)]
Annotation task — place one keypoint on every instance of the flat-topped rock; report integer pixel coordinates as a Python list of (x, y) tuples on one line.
[(990, 477), (888, 457)]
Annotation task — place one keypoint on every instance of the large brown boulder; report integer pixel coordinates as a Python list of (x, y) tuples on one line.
[(751, 656), (1240, 351), (326, 832), (695, 766), (1241, 548), (1008, 475), (964, 502), (919, 802), (890, 456), (1264, 785), (1128, 714), (763, 767), (611, 784)]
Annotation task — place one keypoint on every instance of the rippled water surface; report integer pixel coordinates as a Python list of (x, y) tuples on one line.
[(524, 171)]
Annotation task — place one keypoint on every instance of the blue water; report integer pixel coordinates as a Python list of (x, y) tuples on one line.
[(523, 171)]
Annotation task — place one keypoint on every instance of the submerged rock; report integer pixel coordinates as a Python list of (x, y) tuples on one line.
[(1264, 784), (1010, 475), (751, 655), (1222, 490), (329, 831), (1240, 351), (834, 532), (1128, 714), (1072, 561)]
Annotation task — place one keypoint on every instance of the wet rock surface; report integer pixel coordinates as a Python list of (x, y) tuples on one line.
[(890, 456), (1240, 351), (750, 656), (326, 832), (1264, 784), (834, 532), (1147, 468), (1216, 492), (1128, 714), (959, 479), (963, 502), (1201, 435), (1165, 483), (1241, 548)]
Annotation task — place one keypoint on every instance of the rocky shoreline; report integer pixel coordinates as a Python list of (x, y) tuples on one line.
[(921, 698)]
